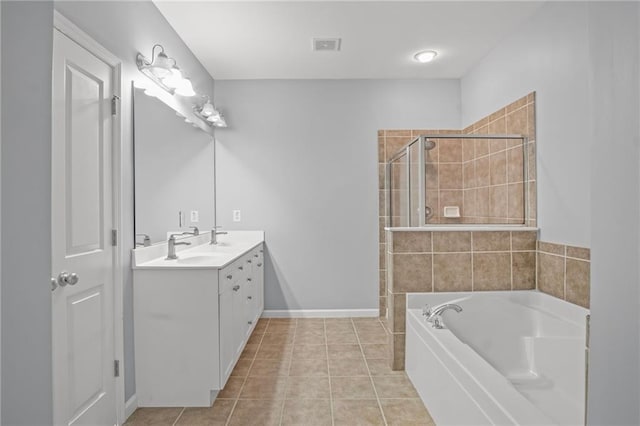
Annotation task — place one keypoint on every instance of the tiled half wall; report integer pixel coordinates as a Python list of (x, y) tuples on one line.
[(449, 261), (423, 261), (481, 176)]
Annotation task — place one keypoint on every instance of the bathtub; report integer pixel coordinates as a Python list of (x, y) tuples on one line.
[(508, 358)]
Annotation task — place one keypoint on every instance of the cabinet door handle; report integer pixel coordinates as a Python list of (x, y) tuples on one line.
[(250, 322), (255, 255), (249, 297), (249, 279), (229, 276), (249, 261), (241, 267), (261, 251), (236, 287), (259, 265)]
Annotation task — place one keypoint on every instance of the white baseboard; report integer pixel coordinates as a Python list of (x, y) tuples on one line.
[(320, 313), (130, 406)]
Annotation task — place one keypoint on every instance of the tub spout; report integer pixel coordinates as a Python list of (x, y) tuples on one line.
[(433, 314)]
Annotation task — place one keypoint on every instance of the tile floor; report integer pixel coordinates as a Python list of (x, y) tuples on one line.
[(307, 372)]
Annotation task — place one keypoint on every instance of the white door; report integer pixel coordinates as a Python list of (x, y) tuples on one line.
[(82, 311)]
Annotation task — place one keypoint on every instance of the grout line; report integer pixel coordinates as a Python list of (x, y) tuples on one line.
[(472, 263), (373, 385), (179, 415), (326, 349), (235, 403), (511, 252)]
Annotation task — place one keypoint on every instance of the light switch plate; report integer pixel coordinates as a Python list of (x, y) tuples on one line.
[(236, 216), (195, 216)]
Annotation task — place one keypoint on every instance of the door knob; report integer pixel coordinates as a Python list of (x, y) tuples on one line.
[(67, 278)]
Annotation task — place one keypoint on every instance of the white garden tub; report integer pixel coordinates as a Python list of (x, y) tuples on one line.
[(508, 358)]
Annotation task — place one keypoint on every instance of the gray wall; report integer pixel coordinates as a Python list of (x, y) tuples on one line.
[(26, 212), (614, 73), (300, 161), (582, 60), (173, 170), (549, 54)]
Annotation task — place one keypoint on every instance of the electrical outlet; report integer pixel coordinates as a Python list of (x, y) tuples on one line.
[(236, 216), (195, 216)]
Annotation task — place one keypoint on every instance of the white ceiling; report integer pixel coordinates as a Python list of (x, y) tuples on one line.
[(273, 40)]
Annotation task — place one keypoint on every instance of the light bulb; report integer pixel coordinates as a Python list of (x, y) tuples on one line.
[(207, 109), (185, 88), (174, 79), (425, 56)]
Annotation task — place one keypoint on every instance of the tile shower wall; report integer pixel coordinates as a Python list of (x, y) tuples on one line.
[(564, 272), (467, 173), (494, 185), (422, 261)]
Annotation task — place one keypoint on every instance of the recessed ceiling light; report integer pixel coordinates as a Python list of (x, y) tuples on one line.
[(425, 56)]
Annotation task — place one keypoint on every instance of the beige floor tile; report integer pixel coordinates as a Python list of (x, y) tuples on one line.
[(274, 351), (307, 387), (382, 367), (368, 337), (255, 339), (154, 416), (351, 351), (209, 416), (337, 321), (232, 388), (394, 387), (352, 388), (406, 412), (250, 412), (283, 321), (264, 388), (339, 328), (376, 351), (242, 367), (250, 350), (308, 367), (310, 337), (345, 337), (307, 412), (305, 351), (348, 367), (281, 328), (260, 327), (277, 338), (270, 367), (357, 412)]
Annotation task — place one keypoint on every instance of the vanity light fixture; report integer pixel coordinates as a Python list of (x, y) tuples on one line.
[(211, 115), (425, 56), (164, 72)]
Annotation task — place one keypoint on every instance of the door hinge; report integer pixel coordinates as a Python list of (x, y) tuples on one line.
[(114, 104), (116, 368), (114, 237)]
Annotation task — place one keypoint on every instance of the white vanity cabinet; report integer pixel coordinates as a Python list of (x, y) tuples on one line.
[(191, 325)]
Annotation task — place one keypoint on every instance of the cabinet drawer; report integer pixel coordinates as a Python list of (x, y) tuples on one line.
[(227, 277)]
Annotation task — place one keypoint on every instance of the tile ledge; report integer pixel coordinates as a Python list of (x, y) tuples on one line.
[(474, 228)]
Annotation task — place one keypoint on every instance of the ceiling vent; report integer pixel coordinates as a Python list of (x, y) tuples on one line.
[(326, 44)]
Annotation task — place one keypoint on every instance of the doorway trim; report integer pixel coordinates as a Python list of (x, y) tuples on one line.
[(69, 29)]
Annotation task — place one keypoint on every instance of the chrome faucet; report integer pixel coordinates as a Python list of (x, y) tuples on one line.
[(146, 242), (432, 315), (195, 231), (172, 246), (214, 235)]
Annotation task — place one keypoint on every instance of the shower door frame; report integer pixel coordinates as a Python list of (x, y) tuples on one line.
[(421, 140)]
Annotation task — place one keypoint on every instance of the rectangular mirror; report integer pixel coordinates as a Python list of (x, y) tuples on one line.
[(173, 171)]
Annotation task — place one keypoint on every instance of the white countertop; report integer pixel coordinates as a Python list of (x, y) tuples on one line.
[(200, 254)]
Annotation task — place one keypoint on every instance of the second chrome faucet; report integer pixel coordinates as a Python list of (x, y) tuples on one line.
[(171, 246)]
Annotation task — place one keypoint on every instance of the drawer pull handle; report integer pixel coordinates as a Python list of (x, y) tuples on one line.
[(236, 287), (249, 261), (255, 255), (250, 322), (261, 251), (249, 297), (241, 267), (249, 279), (259, 264), (229, 276)]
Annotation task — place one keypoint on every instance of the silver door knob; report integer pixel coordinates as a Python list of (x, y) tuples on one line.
[(67, 278)]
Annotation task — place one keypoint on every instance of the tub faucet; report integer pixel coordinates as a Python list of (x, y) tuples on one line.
[(172, 246), (214, 235), (432, 315)]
